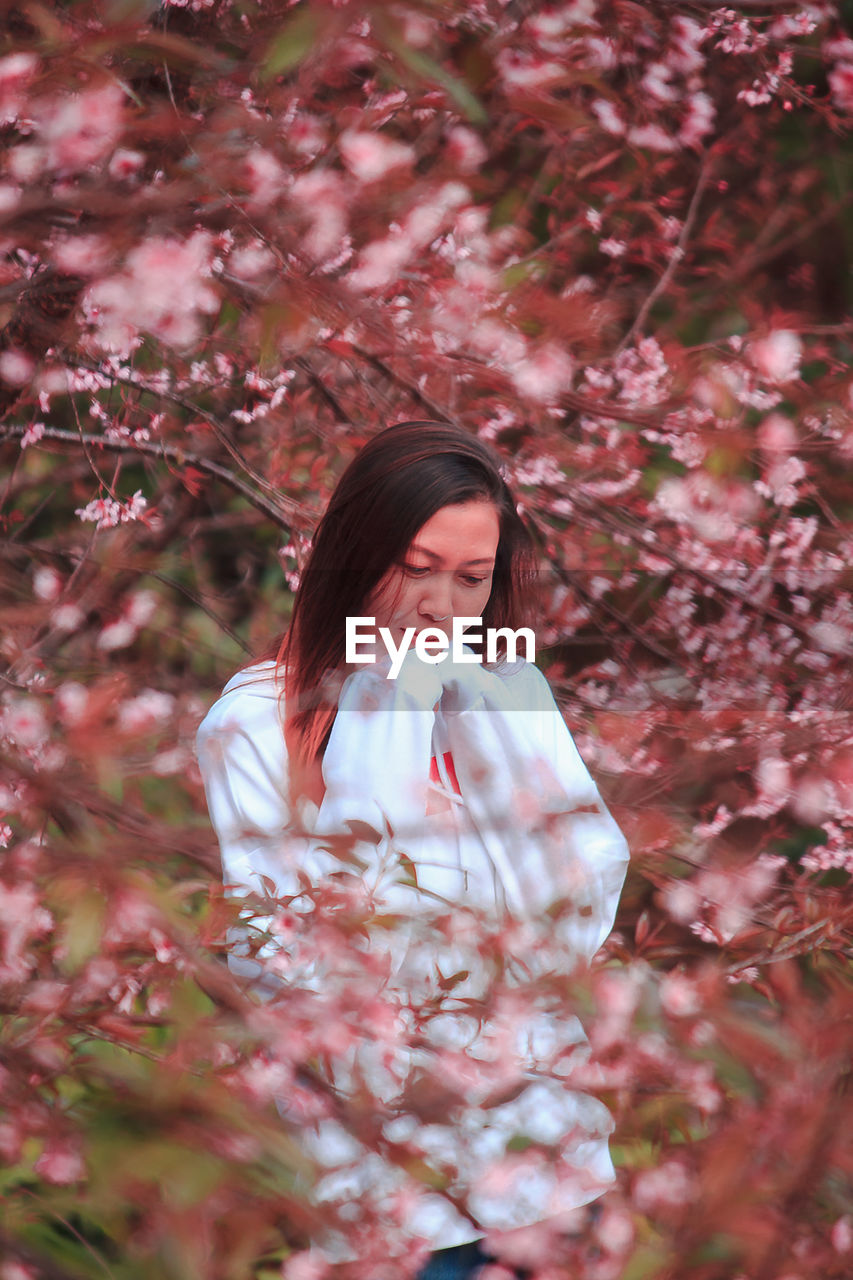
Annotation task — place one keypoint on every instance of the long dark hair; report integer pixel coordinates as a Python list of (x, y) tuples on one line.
[(398, 481)]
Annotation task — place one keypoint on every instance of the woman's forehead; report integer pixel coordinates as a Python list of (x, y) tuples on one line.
[(464, 529)]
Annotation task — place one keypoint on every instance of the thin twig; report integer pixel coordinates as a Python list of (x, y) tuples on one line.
[(438, 412), (173, 397), (72, 1230), (284, 512), (676, 257), (329, 396)]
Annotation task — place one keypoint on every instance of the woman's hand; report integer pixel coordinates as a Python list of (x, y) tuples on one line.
[(465, 683)]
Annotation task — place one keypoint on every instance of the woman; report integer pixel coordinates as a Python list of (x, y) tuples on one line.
[(446, 785)]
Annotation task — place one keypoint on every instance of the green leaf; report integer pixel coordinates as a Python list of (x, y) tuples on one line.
[(82, 930), (426, 68), (290, 46)]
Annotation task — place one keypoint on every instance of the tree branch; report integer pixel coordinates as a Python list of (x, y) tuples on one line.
[(676, 257), (284, 512)]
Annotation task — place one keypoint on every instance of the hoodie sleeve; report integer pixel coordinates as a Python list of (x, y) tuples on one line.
[(375, 770), (241, 755), (556, 846)]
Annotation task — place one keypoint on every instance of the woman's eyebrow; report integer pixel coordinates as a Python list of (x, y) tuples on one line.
[(433, 555)]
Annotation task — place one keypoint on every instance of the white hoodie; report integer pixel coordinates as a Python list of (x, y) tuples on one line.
[(464, 788)]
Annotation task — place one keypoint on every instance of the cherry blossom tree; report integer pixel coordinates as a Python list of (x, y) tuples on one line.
[(613, 239)]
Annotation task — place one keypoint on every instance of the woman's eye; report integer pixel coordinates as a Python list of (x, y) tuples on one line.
[(415, 570), (471, 581)]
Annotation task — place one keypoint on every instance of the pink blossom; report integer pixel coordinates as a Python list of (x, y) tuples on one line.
[(17, 68), (22, 917), (666, 1187), (838, 47), (524, 69), (689, 448), (653, 137), (306, 133), (251, 260), (777, 357), (266, 177), (601, 52), (59, 1164), (163, 290), (657, 81), (168, 763), (699, 120), (776, 434), (643, 373), (713, 510), (612, 247), (842, 1235), (16, 72), (322, 197), (145, 711), (117, 635), (614, 1230), (837, 852), (792, 24), (608, 116), (758, 96), (125, 163), (16, 367), (80, 255), (425, 219), (773, 777), (371, 156), (26, 162), (47, 583), (812, 801), (10, 197), (550, 25), (543, 375), (81, 129), (71, 701), (679, 996), (10, 1270), (67, 617), (44, 996), (539, 470), (687, 35), (23, 721), (740, 36), (106, 513), (141, 607), (33, 434), (782, 480), (832, 637), (841, 84), (682, 900), (380, 261), (466, 149), (504, 345), (308, 1264)]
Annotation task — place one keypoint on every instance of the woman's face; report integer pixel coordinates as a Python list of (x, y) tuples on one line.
[(445, 573)]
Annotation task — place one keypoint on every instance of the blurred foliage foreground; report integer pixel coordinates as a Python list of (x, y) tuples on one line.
[(613, 238)]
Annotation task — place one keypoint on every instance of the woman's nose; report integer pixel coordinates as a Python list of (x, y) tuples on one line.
[(437, 599)]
